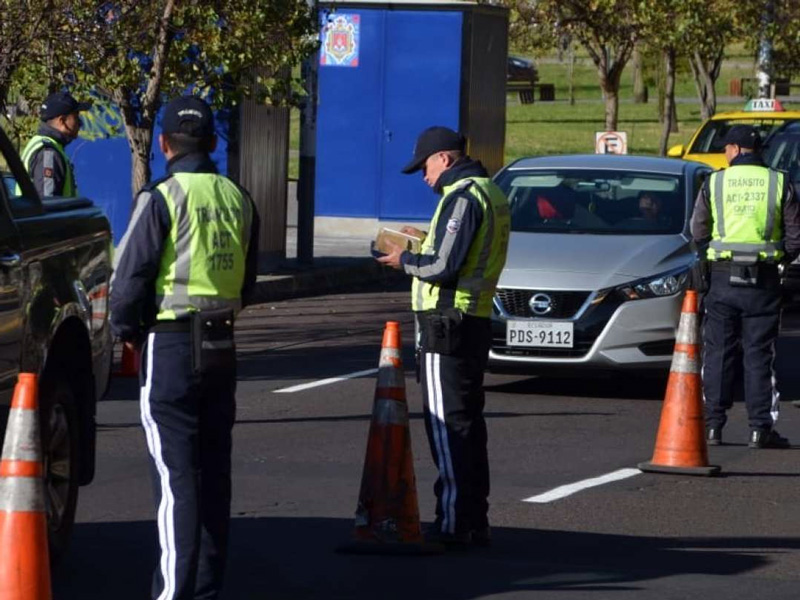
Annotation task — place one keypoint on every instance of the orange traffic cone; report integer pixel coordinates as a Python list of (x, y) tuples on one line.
[(681, 443), (387, 517), (129, 365), (25, 564)]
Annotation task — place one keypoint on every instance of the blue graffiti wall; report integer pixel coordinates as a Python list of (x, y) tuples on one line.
[(102, 160)]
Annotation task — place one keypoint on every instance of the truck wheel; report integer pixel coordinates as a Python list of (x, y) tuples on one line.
[(60, 446)]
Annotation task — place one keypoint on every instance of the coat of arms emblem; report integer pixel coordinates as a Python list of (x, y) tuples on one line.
[(340, 42)]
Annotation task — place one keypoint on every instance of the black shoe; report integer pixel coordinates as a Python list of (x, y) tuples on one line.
[(482, 537), (454, 541), (796, 403), (713, 436), (767, 439)]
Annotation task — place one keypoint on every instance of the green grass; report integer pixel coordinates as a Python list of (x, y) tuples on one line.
[(558, 128)]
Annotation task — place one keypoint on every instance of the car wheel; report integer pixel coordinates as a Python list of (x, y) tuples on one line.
[(60, 449)]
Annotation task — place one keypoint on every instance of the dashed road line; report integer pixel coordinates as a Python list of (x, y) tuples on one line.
[(572, 488), (321, 382)]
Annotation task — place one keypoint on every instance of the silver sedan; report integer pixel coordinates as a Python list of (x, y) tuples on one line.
[(599, 256)]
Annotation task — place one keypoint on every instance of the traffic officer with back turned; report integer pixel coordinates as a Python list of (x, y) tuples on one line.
[(44, 156), (184, 266), (455, 276), (750, 219)]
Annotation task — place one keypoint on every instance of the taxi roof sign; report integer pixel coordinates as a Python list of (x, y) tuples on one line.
[(764, 105)]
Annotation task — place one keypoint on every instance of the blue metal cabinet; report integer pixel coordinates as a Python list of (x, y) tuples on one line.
[(404, 67)]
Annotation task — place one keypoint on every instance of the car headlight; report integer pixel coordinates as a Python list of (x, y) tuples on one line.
[(667, 284)]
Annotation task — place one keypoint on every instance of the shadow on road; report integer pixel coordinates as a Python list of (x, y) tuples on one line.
[(625, 387), (295, 559)]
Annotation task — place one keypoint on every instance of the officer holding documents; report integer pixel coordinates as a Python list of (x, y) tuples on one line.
[(750, 219), (454, 279), (44, 157), (187, 261)]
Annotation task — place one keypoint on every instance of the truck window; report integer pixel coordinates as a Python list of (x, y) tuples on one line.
[(19, 205)]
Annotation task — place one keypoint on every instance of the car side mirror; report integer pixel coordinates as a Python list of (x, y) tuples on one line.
[(676, 151)]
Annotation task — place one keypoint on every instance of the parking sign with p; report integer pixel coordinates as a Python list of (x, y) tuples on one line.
[(611, 142)]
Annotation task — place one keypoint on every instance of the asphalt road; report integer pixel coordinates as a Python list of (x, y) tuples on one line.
[(297, 467)]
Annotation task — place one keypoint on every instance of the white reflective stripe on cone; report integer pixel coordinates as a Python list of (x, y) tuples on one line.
[(687, 329), (683, 363), (389, 354), (22, 494), (22, 436)]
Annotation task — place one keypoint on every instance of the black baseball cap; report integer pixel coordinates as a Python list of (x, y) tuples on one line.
[(61, 103), (744, 136), (431, 141), (189, 115)]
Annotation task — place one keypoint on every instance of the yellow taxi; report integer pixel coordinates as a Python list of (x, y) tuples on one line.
[(706, 145)]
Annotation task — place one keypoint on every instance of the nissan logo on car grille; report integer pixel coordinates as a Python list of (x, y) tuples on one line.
[(541, 304)]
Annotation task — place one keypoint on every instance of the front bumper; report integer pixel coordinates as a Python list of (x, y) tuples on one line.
[(612, 335)]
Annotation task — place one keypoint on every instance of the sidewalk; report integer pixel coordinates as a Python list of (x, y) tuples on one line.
[(340, 263)]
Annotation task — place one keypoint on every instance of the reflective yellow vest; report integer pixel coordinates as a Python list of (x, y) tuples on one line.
[(35, 144), (203, 262), (746, 206), (478, 276)]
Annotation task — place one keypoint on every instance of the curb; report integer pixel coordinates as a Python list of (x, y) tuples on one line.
[(327, 276)]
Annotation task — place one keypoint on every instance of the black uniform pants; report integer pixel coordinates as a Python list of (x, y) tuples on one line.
[(741, 324), (188, 420), (453, 402)]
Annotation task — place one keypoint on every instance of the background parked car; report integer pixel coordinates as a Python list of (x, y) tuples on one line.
[(521, 69)]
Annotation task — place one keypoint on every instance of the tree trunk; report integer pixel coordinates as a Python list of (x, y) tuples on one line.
[(609, 83), (639, 88), (571, 74), (674, 127), (764, 61), (611, 96), (139, 131), (669, 100), (140, 140), (705, 79)]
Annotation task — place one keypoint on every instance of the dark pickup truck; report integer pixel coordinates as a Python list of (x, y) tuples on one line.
[(55, 270)]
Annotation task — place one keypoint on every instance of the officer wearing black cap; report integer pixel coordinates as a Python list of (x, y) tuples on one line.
[(749, 218), (44, 156), (454, 280), (185, 265)]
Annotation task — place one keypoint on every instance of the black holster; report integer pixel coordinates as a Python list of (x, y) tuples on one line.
[(442, 331), (213, 349), (744, 272)]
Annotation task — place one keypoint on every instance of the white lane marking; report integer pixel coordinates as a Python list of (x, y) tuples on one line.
[(571, 488), (313, 384)]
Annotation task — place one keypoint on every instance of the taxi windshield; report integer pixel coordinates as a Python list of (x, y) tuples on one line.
[(710, 139), (594, 201)]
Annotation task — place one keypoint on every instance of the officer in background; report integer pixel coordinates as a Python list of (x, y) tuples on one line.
[(750, 219), (455, 276), (44, 156), (185, 264)]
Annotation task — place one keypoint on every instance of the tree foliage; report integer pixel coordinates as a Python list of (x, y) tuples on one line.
[(607, 30), (137, 53)]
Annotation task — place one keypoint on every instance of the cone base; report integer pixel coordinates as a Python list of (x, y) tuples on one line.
[(390, 548), (709, 471)]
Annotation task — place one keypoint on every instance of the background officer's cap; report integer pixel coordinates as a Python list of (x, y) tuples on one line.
[(61, 103), (744, 136), (188, 115), (431, 141)]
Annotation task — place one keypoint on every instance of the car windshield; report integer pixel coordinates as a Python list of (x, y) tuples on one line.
[(594, 201), (782, 152), (710, 139)]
